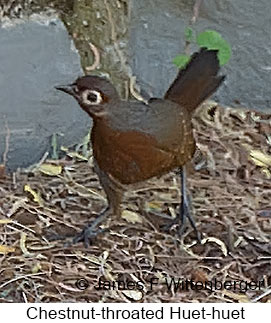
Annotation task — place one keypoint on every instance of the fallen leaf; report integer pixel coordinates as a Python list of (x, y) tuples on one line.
[(36, 196), (6, 249), (37, 268), (5, 221), (241, 298), (266, 172), (25, 252), (133, 294), (260, 158), (16, 206), (164, 196), (50, 169), (73, 154), (220, 243), (154, 205), (131, 217)]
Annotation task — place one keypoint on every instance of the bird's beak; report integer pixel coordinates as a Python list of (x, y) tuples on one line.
[(70, 89)]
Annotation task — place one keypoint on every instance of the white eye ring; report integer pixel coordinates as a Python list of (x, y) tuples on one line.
[(96, 97)]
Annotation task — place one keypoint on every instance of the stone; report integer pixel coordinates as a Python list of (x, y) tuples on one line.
[(36, 54)]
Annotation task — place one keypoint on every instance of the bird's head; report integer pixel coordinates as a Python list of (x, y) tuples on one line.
[(93, 93)]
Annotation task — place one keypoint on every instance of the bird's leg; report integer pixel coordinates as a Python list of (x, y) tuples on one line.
[(114, 197), (184, 211)]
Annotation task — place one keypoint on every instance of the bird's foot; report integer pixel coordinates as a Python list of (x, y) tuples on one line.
[(181, 220), (90, 232), (87, 235)]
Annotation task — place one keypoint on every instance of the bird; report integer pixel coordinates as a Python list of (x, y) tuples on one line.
[(134, 141)]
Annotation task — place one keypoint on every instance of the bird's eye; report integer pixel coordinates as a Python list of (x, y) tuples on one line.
[(92, 97)]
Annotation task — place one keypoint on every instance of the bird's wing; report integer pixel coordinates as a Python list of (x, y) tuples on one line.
[(130, 156), (161, 119)]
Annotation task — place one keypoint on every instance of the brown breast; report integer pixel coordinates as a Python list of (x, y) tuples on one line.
[(132, 156)]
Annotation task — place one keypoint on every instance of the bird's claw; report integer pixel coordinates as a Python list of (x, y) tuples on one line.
[(87, 235), (181, 219)]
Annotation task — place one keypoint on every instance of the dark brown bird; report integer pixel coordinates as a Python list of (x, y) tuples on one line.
[(133, 141)]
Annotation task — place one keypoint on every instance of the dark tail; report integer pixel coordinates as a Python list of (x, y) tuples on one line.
[(197, 81)]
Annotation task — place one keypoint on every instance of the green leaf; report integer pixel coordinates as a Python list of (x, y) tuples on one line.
[(213, 40), (181, 60), (189, 34)]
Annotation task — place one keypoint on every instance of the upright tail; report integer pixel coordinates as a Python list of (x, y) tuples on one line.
[(197, 81)]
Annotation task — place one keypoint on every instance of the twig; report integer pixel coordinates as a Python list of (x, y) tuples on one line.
[(5, 154), (21, 277), (193, 20), (196, 11), (39, 163), (97, 58), (133, 91), (256, 299)]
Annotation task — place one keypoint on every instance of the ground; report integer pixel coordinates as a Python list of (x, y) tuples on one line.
[(230, 189)]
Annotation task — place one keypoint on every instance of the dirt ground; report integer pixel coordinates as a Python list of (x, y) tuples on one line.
[(230, 191)]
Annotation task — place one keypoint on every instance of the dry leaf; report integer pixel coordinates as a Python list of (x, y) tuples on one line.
[(36, 268), (154, 206), (6, 249), (220, 243), (263, 160), (16, 206), (73, 154), (36, 196), (25, 252), (260, 158), (266, 172), (164, 196), (131, 217), (241, 298), (133, 294), (5, 221), (50, 169), (95, 260)]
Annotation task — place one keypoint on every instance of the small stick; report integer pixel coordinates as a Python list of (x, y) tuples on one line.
[(97, 58), (5, 154), (193, 20)]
